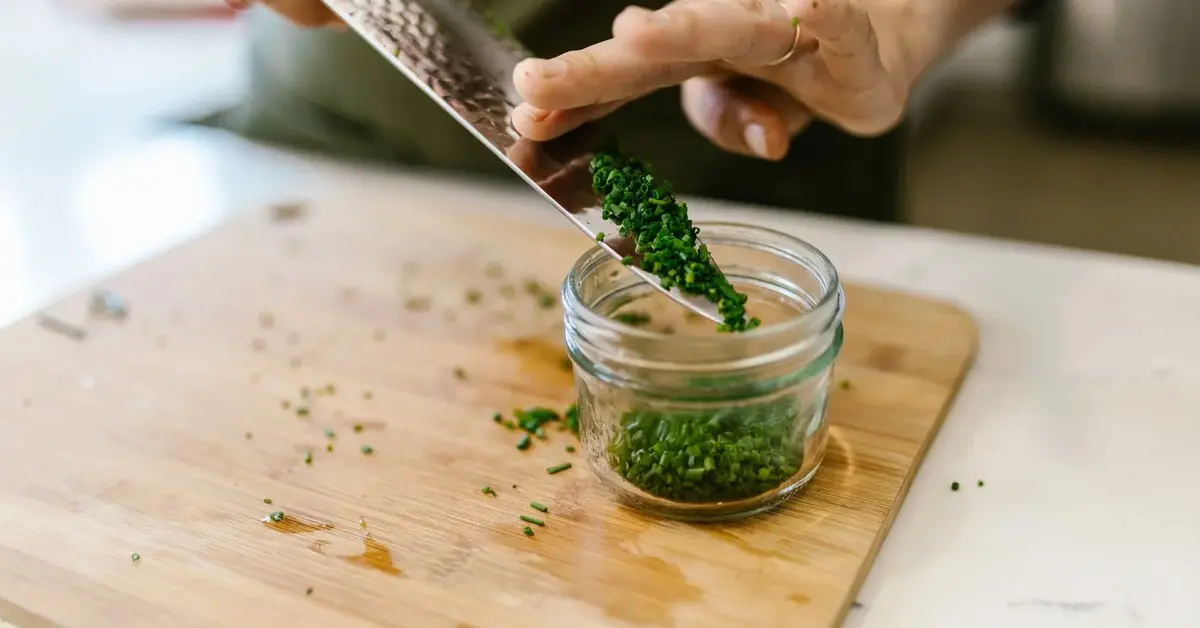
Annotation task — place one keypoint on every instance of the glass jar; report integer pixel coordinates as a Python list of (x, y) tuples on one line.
[(685, 422)]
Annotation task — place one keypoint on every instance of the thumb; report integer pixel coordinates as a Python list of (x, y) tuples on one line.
[(845, 37), (743, 116)]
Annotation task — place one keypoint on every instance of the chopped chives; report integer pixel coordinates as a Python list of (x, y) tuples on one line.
[(954, 486), (276, 516), (487, 490), (267, 501), (528, 531), (329, 447), (302, 411), (558, 468), (358, 427), (329, 432), (534, 520), (368, 450), (523, 444), (308, 457), (538, 507), (498, 418), (570, 449), (135, 557)]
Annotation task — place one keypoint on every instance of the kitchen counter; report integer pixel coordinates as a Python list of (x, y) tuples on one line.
[(1080, 414)]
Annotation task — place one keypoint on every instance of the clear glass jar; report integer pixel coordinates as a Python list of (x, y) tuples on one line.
[(685, 422)]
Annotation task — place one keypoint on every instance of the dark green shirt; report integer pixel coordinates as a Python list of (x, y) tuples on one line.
[(330, 92)]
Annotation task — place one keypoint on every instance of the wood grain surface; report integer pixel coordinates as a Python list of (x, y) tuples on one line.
[(164, 434)]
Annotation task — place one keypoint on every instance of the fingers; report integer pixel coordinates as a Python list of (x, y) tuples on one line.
[(540, 125), (602, 73), (846, 39), (744, 116), (741, 32)]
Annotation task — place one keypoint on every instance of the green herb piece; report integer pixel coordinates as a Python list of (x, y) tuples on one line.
[(538, 507), (627, 260), (493, 270), (498, 418), (646, 210), (267, 501), (707, 455), (566, 364), (329, 447), (473, 296), (358, 427), (510, 425), (487, 490), (523, 444), (302, 411), (796, 20), (368, 395), (329, 432), (636, 319), (558, 468), (845, 384), (571, 418), (459, 373), (276, 516), (135, 557), (330, 389), (367, 450), (417, 304), (308, 591), (980, 483), (528, 531), (305, 393), (308, 457), (541, 433), (547, 301), (532, 419), (285, 404), (599, 236), (570, 449), (954, 486), (534, 520)]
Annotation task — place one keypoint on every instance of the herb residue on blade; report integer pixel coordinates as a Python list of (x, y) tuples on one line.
[(646, 210)]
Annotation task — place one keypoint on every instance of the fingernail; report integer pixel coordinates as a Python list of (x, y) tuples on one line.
[(552, 68), (756, 139), (532, 113)]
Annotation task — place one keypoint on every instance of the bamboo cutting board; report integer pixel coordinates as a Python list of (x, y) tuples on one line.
[(164, 434)]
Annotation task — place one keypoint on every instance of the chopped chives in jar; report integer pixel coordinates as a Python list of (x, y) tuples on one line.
[(707, 455)]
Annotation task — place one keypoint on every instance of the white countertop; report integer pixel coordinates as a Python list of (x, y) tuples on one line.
[(1082, 413)]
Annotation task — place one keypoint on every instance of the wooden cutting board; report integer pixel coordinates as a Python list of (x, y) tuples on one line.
[(164, 434)]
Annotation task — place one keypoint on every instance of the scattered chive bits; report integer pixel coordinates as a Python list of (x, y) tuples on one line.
[(308, 457), (308, 591), (538, 507), (329, 447), (523, 444), (460, 373), (634, 319), (599, 236), (473, 296), (487, 490), (845, 384), (367, 450), (705, 455), (534, 520), (498, 418), (135, 557), (302, 411), (275, 516), (558, 468), (979, 483), (528, 531), (267, 501), (329, 432), (570, 449), (358, 427), (954, 486), (647, 210)]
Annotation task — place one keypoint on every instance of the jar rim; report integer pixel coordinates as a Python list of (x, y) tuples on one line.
[(725, 232)]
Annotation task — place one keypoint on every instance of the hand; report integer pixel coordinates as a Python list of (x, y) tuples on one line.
[(849, 66), (307, 13)]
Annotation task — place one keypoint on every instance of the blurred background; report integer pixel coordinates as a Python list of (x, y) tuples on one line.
[(1079, 128)]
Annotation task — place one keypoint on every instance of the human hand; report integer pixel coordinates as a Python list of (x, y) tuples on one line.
[(307, 13), (753, 72)]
